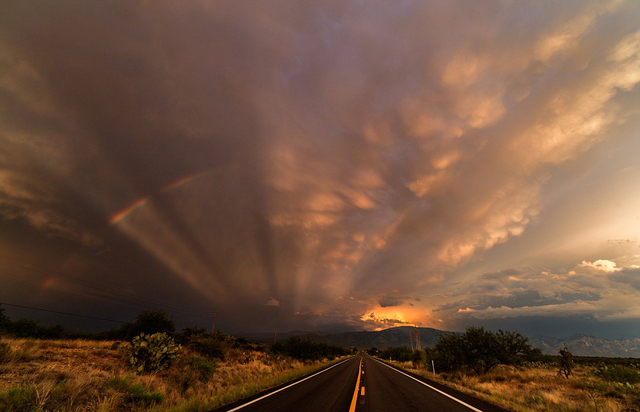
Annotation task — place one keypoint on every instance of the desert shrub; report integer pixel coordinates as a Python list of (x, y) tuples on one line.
[(141, 397), (18, 400), (305, 349), (618, 373), (191, 332), (419, 358), (204, 368), (192, 371), (398, 353), (566, 363), (24, 328), (134, 393), (210, 347), (151, 353)]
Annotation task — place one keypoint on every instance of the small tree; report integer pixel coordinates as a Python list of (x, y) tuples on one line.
[(514, 348), (419, 358), (566, 363), (148, 322), (482, 350), (450, 351)]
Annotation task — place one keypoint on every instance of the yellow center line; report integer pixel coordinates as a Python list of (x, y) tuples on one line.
[(354, 400)]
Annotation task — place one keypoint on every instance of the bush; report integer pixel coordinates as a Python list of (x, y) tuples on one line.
[(18, 399), (305, 349), (566, 363), (202, 367), (207, 346), (399, 353), (151, 353), (419, 358), (191, 332), (134, 393), (618, 373)]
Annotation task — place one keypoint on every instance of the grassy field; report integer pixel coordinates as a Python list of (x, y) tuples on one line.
[(538, 387), (77, 375)]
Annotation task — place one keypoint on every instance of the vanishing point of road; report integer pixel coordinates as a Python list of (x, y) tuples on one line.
[(361, 384)]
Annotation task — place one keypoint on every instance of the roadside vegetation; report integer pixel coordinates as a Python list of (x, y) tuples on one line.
[(504, 369), (152, 368)]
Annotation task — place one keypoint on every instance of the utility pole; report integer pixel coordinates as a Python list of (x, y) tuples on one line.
[(213, 326), (275, 335)]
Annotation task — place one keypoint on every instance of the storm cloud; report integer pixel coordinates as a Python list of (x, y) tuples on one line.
[(302, 163)]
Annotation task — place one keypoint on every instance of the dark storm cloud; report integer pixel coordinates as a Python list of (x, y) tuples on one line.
[(526, 298), (629, 276), (389, 301), (317, 155)]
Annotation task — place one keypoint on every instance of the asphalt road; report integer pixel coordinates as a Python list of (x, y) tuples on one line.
[(388, 389), (379, 388), (329, 390)]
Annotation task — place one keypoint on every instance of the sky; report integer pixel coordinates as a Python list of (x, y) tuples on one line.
[(338, 165)]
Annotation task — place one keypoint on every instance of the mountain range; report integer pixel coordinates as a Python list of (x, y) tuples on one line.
[(580, 345)]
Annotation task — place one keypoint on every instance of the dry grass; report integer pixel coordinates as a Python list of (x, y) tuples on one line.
[(92, 376), (539, 388)]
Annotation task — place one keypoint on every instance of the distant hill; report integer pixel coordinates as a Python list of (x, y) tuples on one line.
[(398, 336), (584, 345), (580, 345)]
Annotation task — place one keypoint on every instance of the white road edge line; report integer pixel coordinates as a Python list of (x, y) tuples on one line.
[(431, 387), (286, 387)]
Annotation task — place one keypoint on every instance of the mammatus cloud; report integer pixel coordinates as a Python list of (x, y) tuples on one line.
[(312, 157)]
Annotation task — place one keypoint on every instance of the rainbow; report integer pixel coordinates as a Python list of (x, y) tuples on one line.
[(118, 217), (185, 180), (127, 210)]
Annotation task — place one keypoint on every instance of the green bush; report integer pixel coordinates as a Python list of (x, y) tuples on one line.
[(210, 347), (18, 400), (618, 373), (151, 353), (202, 367), (134, 393)]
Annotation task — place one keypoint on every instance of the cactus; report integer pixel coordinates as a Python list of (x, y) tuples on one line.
[(151, 353)]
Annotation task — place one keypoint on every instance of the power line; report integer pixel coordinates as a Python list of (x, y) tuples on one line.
[(75, 286), (61, 313)]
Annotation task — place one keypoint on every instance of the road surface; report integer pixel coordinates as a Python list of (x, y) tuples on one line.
[(361, 384)]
